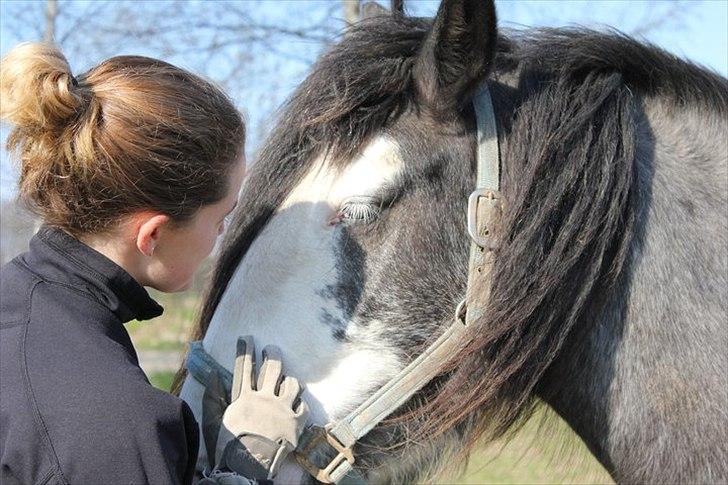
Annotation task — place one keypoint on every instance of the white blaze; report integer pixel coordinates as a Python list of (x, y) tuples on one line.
[(275, 295)]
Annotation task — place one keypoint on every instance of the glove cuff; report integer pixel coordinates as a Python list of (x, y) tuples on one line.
[(254, 456)]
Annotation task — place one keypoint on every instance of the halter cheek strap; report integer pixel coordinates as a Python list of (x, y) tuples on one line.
[(202, 367), (484, 213), (484, 208)]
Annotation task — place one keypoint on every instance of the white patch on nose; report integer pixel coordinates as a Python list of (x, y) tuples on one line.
[(277, 295)]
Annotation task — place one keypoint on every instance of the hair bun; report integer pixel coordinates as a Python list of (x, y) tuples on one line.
[(37, 88)]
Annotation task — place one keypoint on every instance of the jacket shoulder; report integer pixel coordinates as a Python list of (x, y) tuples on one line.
[(16, 286), (109, 425), (19, 285)]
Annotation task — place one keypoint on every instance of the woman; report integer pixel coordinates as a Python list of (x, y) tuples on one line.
[(133, 167)]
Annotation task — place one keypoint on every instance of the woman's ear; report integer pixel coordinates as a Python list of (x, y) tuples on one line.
[(457, 53), (148, 230)]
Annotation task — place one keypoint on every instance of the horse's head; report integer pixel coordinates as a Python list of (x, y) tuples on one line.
[(349, 249)]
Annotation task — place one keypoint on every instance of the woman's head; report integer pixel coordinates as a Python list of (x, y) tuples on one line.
[(131, 136), (133, 133)]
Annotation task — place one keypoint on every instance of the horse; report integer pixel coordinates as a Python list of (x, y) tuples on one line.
[(608, 296)]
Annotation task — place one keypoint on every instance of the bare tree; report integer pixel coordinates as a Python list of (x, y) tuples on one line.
[(51, 14), (398, 6), (638, 18), (18, 226), (220, 39), (355, 10)]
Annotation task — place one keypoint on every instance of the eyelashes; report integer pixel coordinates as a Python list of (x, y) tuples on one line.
[(359, 210)]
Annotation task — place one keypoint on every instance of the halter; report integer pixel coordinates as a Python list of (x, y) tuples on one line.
[(484, 212)]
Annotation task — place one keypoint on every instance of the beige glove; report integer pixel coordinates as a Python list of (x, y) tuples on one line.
[(264, 420)]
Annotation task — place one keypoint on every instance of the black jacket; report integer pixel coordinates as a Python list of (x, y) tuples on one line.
[(75, 407)]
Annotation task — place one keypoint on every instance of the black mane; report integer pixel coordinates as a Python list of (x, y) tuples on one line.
[(646, 69)]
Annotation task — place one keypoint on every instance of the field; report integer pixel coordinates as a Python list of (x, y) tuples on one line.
[(170, 331), (545, 450)]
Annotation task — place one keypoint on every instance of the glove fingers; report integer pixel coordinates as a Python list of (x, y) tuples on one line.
[(300, 408), (244, 369), (290, 390), (271, 372)]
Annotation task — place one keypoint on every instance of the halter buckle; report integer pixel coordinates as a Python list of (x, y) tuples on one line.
[(344, 457), (485, 240)]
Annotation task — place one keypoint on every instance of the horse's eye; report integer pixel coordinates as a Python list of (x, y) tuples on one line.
[(359, 209)]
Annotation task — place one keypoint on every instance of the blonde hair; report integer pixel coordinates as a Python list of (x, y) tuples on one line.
[(133, 133)]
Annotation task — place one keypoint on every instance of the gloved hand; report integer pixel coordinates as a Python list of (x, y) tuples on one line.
[(262, 424)]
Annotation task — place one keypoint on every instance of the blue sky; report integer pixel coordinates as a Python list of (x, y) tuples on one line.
[(695, 30), (701, 37)]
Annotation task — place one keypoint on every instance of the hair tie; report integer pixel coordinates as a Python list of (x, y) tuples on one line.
[(74, 81)]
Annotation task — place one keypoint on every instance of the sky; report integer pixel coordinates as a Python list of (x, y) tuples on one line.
[(694, 29)]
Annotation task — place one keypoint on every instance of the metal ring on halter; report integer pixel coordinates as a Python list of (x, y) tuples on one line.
[(461, 310), (485, 241)]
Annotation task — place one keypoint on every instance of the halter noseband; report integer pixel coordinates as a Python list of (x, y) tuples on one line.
[(484, 212)]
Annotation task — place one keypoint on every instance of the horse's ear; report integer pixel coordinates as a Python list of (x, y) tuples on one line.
[(457, 53), (372, 9)]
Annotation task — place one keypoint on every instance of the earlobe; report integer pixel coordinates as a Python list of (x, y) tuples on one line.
[(149, 232)]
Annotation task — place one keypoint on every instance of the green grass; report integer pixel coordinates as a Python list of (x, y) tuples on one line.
[(171, 330), (545, 450), (162, 380)]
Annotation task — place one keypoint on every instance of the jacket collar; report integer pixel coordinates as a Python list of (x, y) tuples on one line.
[(61, 257)]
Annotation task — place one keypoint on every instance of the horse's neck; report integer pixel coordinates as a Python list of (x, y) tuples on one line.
[(580, 383), (643, 381)]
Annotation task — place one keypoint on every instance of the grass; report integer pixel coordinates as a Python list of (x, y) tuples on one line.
[(545, 450), (162, 380), (171, 330)]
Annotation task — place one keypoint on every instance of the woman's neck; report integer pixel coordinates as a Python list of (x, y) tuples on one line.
[(113, 247)]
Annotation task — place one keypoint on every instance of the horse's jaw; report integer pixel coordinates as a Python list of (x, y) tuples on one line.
[(280, 294)]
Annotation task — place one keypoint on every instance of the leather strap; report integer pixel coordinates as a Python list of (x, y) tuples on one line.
[(392, 395), (488, 176), (202, 366), (484, 208)]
